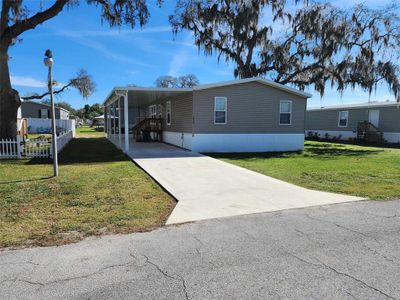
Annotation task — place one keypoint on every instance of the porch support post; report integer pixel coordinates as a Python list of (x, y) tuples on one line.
[(109, 121), (105, 121), (119, 123), (126, 121), (114, 121)]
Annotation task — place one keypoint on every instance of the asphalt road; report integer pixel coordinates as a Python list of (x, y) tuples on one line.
[(342, 251)]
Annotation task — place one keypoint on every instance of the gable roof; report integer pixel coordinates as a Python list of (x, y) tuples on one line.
[(158, 91), (357, 105), (44, 104), (264, 81)]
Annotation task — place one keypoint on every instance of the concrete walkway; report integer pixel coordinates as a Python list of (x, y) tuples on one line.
[(208, 188)]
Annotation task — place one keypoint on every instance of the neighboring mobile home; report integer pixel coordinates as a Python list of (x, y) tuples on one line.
[(248, 115), (342, 121), (37, 117), (32, 109)]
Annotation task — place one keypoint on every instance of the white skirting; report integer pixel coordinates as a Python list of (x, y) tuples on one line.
[(344, 134), (392, 137), (180, 139), (247, 142), (221, 142)]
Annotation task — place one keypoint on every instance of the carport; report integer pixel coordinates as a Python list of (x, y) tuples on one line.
[(130, 105)]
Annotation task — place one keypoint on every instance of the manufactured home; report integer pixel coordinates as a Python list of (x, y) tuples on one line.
[(248, 115), (32, 109), (356, 121)]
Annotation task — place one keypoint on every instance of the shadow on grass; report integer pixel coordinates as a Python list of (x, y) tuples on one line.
[(26, 180), (322, 151), (86, 150), (90, 150), (330, 151), (254, 155), (93, 130)]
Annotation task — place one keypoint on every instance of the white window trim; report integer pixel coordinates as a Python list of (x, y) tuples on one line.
[(347, 120), (225, 110), (291, 112), (168, 110), (160, 111), (42, 115), (153, 111)]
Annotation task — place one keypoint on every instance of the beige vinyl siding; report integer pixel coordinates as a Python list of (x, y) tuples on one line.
[(251, 108), (181, 113), (389, 119)]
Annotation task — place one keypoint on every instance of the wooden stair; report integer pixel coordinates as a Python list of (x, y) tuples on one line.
[(152, 125), (369, 133)]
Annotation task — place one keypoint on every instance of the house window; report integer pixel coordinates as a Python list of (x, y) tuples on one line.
[(285, 112), (153, 111), (343, 118), (160, 112), (44, 113), (220, 110), (168, 112)]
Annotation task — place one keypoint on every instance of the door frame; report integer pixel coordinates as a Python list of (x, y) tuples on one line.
[(369, 116)]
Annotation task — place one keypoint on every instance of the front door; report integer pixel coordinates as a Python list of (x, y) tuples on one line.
[(373, 117)]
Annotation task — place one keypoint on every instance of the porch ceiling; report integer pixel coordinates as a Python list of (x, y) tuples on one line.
[(139, 96), (144, 98)]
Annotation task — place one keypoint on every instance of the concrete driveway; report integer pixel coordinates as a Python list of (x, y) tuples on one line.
[(344, 251), (208, 188)]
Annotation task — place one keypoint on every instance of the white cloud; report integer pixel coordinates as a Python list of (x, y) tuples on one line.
[(180, 58), (107, 52), (112, 32), (27, 81)]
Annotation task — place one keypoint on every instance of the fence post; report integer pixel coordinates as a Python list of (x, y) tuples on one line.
[(19, 147)]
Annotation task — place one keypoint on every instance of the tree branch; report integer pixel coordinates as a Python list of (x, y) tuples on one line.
[(47, 93), (30, 23), (5, 10)]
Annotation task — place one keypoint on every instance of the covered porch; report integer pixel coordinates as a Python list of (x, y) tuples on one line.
[(128, 109)]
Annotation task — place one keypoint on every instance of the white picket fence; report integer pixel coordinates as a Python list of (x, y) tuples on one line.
[(16, 148), (10, 148)]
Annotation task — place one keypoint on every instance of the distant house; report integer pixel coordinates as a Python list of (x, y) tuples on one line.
[(32, 109), (346, 121), (248, 115), (98, 121), (38, 117)]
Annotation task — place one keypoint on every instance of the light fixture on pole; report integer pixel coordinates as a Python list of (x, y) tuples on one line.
[(48, 61)]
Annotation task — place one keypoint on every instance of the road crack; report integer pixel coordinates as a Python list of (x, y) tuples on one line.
[(165, 273), (321, 264)]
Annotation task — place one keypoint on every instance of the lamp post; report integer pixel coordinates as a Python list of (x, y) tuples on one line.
[(48, 61)]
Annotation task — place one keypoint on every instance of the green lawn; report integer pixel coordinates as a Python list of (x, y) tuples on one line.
[(354, 170), (99, 191), (86, 131)]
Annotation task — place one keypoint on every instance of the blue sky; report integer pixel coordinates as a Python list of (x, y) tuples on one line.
[(118, 57)]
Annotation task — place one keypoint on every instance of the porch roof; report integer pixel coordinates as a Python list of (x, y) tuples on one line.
[(147, 95), (144, 95)]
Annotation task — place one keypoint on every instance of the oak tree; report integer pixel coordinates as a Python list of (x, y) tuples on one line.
[(15, 19), (313, 45)]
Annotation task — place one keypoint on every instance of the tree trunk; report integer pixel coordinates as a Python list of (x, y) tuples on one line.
[(9, 98)]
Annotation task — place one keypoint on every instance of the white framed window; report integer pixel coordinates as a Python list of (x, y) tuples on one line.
[(152, 111), (285, 112), (44, 113), (220, 110), (343, 118), (168, 112), (160, 111)]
